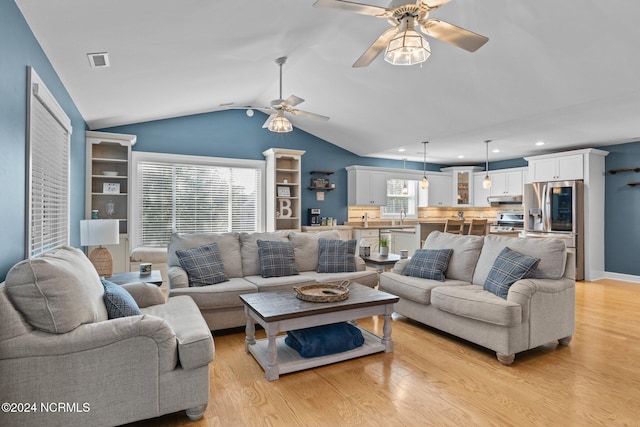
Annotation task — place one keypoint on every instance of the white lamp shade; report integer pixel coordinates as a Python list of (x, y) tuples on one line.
[(94, 232)]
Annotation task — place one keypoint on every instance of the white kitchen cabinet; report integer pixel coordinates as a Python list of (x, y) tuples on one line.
[(366, 187), (506, 183), (462, 184), (557, 168), (480, 193), (371, 237), (439, 192), (403, 240)]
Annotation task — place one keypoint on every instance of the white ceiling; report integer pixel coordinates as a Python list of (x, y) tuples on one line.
[(562, 72)]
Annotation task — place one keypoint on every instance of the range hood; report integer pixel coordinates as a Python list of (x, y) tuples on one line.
[(504, 200)]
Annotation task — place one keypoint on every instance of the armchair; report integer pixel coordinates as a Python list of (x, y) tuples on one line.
[(61, 355)]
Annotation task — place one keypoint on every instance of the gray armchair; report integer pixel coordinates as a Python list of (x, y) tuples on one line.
[(63, 362)]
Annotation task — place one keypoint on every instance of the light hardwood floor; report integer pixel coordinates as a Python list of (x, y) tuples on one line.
[(433, 379)]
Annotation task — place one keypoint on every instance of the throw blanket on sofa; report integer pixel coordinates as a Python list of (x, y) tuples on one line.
[(325, 339)]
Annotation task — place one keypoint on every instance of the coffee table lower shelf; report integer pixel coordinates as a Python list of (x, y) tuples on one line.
[(289, 360)]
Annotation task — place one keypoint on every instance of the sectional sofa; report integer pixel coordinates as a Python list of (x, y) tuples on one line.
[(536, 310), (239, 252)]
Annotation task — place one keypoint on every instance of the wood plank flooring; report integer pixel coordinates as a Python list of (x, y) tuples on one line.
[(433, 379)]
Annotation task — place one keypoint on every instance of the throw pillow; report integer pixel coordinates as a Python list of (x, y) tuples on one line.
[(119, 303), (429, 264), (509, 267), (277, 258), (336, 256), (203, 265)]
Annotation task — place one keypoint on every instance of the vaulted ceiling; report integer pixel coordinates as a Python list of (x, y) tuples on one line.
[(562, 72)]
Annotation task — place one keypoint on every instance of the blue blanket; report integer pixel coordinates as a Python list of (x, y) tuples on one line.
[(325, 339)]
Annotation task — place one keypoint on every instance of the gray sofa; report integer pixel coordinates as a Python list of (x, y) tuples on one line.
[(220, 303), (59, 349), (537, 310)]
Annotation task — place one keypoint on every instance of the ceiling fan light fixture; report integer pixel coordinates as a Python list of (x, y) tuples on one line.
[(407, 47), (280, 124)]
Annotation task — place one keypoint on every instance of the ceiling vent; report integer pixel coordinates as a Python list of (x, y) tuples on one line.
[(98, 60)]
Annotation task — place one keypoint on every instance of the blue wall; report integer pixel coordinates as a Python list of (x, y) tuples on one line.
[(622, 210), (232, 134), (19, 49)]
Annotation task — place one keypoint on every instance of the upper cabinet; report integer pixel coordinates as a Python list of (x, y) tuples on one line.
[(480, 194), (366, 187), (439, 192), (283, 185), (558, 167), (463, 182), (506, 183)]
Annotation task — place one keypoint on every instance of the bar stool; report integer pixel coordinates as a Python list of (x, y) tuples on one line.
[(478, 227), (454, 226)]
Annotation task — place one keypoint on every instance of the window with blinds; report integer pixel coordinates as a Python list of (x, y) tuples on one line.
[(172, 196), (401, 197), (48, 171)]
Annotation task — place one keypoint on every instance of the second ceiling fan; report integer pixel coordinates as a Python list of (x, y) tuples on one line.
[(405, 46)]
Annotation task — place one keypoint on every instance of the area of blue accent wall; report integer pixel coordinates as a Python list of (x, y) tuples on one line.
[(18, 50), (232, 134), (622, 210)]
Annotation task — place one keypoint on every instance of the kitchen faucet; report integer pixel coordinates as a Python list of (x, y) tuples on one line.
[(403, 214)]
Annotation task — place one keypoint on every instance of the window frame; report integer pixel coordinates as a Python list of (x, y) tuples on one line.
[(185, 159), (413, 187)]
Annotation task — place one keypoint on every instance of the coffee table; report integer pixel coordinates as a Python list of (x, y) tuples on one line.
[(282, 311)]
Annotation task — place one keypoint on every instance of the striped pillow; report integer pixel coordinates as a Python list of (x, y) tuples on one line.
[(277, 258), (509, 267), (203, 265), (336, 256), (429, 264)]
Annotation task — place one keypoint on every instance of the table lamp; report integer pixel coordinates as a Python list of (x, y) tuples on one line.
[(100, 232)]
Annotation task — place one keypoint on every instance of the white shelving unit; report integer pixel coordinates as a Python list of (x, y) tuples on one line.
[(283, 191)]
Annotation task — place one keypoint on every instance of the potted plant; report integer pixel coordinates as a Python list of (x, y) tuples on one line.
[(384, 246)]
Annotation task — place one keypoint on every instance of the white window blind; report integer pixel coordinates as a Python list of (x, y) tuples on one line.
[(194, 198), (48, 171), (401, 197)]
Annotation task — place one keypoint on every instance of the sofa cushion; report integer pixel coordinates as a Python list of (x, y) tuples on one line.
[(222, 295), (119, 303), (277, 258), (13, 323), (306, 247), (473, 302), (429, 264), (509, 267), (58, 291), (551, 252), (249, 249), (203, 265), (364, 277), (413, 288), (284, 283), (466, 250), (229, 244), (336, 256)]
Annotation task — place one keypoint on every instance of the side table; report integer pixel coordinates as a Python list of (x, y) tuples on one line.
[(380, 262), (154, 277)]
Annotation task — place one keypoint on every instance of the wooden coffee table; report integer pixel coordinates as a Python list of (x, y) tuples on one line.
[(282, 311)]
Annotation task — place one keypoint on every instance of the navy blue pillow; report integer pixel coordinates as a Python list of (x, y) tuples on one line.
[(509, 267), (277, 258), (429, 264), (203, 265), (119, 303), (336, 256)]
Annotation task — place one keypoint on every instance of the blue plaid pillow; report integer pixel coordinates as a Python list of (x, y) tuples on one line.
[(509, 267), (203, 265), (429, 264), (119, 303), (336, 256), (277, 258)]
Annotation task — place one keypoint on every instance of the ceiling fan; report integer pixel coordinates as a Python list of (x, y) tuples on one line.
[(404, 45), (277, 122)]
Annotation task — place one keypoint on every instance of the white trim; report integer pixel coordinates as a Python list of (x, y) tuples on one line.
[(622, 277), (40, 91)]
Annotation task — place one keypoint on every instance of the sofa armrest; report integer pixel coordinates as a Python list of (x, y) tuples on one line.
[(96, 336), (360, 264), (145, 294), (526, 288), (177, 278), (399, 266)]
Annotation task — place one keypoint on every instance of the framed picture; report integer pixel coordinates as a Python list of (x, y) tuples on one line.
[(111, 188), (284, 192), (320, 182)]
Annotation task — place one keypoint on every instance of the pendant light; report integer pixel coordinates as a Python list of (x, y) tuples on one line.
[(425, 180), (405, 189), (486, 182)]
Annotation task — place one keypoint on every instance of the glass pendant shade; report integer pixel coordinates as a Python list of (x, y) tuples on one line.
[(486, 182), (425, 181), (407, 47), (280, 124)]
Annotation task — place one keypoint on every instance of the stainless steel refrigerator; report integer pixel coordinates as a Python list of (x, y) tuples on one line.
[(556, 209)]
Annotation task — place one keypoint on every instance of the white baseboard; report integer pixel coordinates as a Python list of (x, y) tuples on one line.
[(622, 277)]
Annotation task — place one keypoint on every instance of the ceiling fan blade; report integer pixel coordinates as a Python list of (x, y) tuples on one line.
[(452, 34), (269, 120), (308, 115), (293, 100), (434, 4), (363, 9), (374, 50)]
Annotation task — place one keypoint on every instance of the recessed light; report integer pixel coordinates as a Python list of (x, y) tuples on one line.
[(495, 151), (402, 150), (461, 156), (540, 143)]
